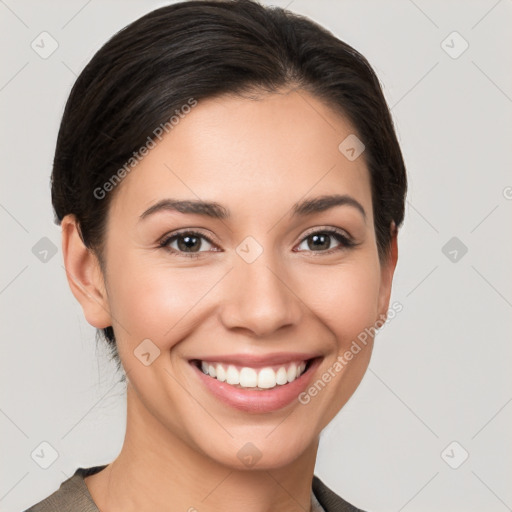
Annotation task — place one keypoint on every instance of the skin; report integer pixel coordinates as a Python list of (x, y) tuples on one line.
[(257, 158)]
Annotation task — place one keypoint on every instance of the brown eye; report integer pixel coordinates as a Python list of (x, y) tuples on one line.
[(321, 241), (188, 243)]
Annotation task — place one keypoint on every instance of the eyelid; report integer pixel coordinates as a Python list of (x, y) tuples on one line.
[(327, 229), (193, 231)]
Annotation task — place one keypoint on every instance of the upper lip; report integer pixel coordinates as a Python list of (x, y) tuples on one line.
[(256, 361)]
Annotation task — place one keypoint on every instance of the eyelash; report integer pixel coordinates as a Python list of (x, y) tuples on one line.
[(345, 241)]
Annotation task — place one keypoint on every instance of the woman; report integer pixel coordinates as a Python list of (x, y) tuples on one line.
[(229, 186)]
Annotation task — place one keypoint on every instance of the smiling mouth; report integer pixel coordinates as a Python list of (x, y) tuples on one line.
[(246, 377)]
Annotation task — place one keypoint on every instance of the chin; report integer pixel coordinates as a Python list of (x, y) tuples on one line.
[(265, 450)]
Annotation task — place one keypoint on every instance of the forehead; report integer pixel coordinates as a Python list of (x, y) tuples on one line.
[(265, 152)]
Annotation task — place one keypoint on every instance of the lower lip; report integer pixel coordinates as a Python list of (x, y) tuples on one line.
[(258, 401)]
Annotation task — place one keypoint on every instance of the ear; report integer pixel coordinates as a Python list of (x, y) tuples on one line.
[(84, 275), (387, 271)]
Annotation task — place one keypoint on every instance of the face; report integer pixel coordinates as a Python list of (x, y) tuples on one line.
[(266, 290)]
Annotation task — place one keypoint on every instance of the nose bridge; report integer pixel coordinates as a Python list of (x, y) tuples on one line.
[(259, 294)]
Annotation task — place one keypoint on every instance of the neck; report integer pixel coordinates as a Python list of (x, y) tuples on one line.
[(158, 470)]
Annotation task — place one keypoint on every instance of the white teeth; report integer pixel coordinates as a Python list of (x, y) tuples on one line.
[(246, 377), (232, 375), (292, 372), (267, 378), (221, 374), (281, 376)]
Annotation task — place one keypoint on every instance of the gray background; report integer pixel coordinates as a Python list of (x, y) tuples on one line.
[(440, 371)]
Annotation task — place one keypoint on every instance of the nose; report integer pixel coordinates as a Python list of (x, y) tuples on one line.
[(260, 297)]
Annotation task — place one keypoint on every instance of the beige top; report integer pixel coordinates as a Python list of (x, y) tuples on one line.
[(73, 496)]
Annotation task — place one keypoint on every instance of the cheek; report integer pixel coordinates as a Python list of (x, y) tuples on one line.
[(155, 301), (346, 302), (345, 297)]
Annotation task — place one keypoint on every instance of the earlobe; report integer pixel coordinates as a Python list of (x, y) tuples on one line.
[(387, 271), (84, 275)]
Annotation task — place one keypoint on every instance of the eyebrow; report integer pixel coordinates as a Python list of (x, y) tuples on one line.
[(217, 211)]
